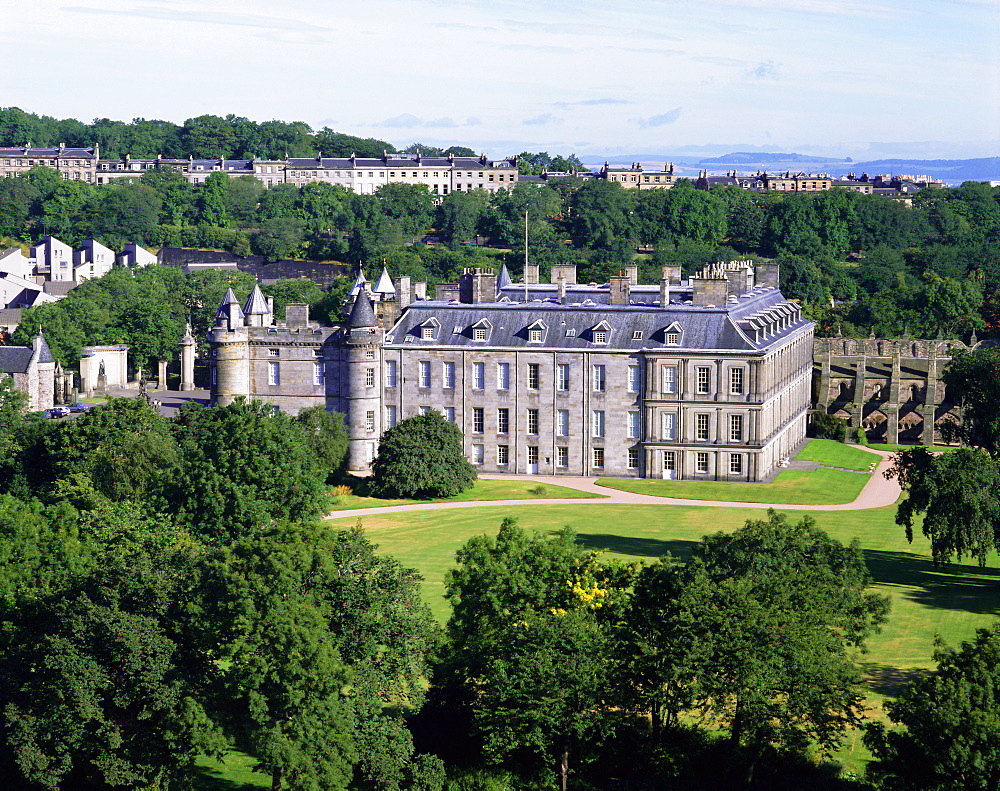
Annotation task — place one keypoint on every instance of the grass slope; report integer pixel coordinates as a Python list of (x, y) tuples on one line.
[(791, 487), (482, 490), (837, 454)]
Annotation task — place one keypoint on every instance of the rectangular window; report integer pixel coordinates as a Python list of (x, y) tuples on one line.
[(736, 381), (562, 422), (534, 336), (633, 425), (479, 375), (479, 333), (701, 378), (701, 427), (425, 410), (503, 420), (633, 458), (369, 354), (270, 352), (317, 373), (736, 428), (599, 458), (370, 420), (533, 376), (449, 414), (533, 455), (478, 454), (425, 373), (598, 423), (369, 377), (273, 374), (670, 379), (390, 373), (634, 378), (503, 454), (532, 421), (673, 338), (736, 463), (599, 378), (562, 457), (449, 375), (563, 371), (390, 416), (503, 376), (669, 426), (600, 336), (478, 420), (701, 462)]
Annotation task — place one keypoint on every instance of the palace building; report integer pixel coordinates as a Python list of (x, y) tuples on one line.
[(704, 379)]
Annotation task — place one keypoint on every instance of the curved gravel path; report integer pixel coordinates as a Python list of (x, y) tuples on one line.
[(878, 492)]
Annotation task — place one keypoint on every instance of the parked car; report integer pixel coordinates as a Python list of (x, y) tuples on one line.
[(78, 407), (57, 411)]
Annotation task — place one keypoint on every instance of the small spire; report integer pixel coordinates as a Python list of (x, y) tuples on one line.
[(360, 283), (384, 285), (503, 279), (362, 314), (256, 303)]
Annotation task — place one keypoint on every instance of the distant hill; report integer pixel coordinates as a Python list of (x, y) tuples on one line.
[(758, 158)]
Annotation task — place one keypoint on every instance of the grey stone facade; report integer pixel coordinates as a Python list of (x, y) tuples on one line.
[(33, 369), (707, 379)]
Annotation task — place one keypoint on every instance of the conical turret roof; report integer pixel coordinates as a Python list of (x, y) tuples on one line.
[(362, 314), (359, 283), (42, 349), (503, 279), (227, 300), (256, 303), (384, 285)]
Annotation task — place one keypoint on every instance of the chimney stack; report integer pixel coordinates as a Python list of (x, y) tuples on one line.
[(568, 271), (632, 270), (478, 285), (531, 274), (620, 290)]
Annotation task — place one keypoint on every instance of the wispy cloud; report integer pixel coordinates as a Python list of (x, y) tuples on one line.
[(202, 17), (718, 61), (822, 7), (662, 119), (446, 123), (541, 120), (765, 70), (590, 103), (404, 121), (410, 121)]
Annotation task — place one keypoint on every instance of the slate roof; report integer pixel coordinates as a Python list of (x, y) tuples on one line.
[(256, 303), (404, 162), (751, 324), (228, 299), (15, 359), (44, 353), (384, 285), (362, 314), (20, 151)]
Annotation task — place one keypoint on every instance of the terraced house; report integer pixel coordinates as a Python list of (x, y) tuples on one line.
[(703, 379)]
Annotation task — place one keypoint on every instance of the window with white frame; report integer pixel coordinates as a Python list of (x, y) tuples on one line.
[(702, 380), (449, 414), (597, 423), (634, 378), (369, 377), (534, 376), (562, 457), (479, 333), (503, 454), (390, 373), (598, 458), (670, 379), (736, 381), (503, 420), (425, 373), (633, 458), (390, 416), (503, 376), (425, 410), (669, 425), (562, 369), (562, 422), (479, 375), (273, 352), (673, 338), (533, 455), (633, 425), (448, 374), (478, 420), (701, 427), (370, 420), (478, 454), (736, 463), (369, 354), (701, 462), (600, 336), (428, 332), (736, 428), (532, 421), (273, 374), (318, 373), (599, 378)]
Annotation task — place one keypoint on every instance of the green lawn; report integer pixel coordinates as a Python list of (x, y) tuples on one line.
[(952, 601), (837, 454), (902, 448), (233, 773), (790, 487), (514, 489)]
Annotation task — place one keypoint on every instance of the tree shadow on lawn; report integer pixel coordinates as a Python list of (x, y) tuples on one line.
[(642, 547), (207, 780), (945, 586), (889, 680)]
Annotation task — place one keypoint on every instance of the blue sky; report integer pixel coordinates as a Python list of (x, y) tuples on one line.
[(670, 77)]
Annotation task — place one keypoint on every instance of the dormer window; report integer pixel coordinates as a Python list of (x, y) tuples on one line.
[(637, 335), (536, 332), (429, 329), (571, 333), (601, 333), (481, 330), (600, 336), (673, 338)]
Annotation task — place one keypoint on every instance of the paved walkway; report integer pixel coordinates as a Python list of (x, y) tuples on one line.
[(878, 492)]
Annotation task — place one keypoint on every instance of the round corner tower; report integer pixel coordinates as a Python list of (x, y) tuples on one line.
[(364, 339)]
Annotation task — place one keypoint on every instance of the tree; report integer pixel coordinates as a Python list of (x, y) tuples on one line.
[(756, 632), (422, 457), (601, 214), (958, 494), (410, 207), (242, 466), (213, 205), (974, 376), (951, 734), (326, 435)]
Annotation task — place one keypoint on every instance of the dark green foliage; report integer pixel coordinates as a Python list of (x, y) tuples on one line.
[(243, 466), (826, 426), (326, 436), (422, 457), (950, 737), (975, 377)]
